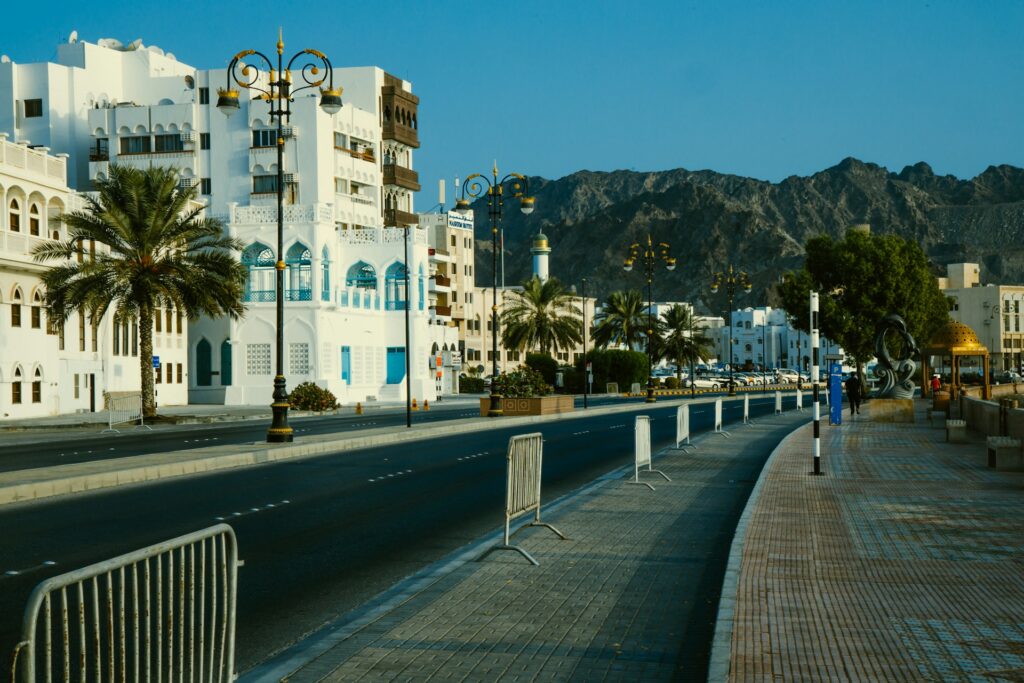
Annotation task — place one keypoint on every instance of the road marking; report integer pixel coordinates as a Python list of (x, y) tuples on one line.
[(19, 572), (250, 511), (391, 475)]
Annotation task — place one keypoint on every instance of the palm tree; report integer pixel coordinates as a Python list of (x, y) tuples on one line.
[(543, 316), (680, 339), (621, 320), (160, 252)]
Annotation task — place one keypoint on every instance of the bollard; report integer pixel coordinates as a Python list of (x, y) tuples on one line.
[(414, 406), (426, 404), (359, 408)]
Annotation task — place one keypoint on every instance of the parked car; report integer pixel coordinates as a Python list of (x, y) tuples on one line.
[(713, 383)]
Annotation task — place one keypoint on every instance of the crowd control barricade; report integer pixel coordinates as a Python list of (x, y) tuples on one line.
[(799, 399), (718, 419), (642, 451), (635, 388), (522, 489), (683, 427), (778, 403), (746, 410), (165, 612), (124, 409), (612, 387)]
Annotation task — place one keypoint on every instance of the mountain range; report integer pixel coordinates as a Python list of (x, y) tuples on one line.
[(712, 220)]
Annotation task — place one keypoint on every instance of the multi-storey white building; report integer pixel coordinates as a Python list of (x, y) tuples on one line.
[(764, 338), (45, 370), (348, 184), (994, 312)]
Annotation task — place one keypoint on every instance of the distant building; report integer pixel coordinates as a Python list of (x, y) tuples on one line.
[(993, 311), (763, 337)]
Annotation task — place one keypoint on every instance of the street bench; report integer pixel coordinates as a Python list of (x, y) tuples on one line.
[(1004, 453), (938, 419), (956, 431)]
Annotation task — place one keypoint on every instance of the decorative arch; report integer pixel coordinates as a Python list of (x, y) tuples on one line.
[(299, 274), (361, 275), (395, 296), (17, 376), (14, 214), (204, 363), (258, 260), (34, 219)]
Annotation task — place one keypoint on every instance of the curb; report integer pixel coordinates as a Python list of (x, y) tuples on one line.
[(721, 643)]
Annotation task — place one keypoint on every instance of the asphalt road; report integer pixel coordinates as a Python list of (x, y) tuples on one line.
[(341, 528)]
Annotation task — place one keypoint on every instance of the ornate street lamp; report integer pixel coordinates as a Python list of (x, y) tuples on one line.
[(278, 92), (649, 255), (730, 280), (476, 185)]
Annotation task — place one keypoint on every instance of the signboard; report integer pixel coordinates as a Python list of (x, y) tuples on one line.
[(156, 362), (835, 394), (456, 359)]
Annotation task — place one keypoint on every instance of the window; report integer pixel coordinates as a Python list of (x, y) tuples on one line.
[(33, 108), (264, 184), (204, 141), (265, 137), (169, 370), (95, 335), (81, 329), (298, 274), (76, 385), (325, 275), (257, 359), (16, 386), (204, 96), (298, 359), (170, 319), (135, 339), (33, 220), (157, 376), (340, 141), (178, 368), (260, 285), (116, 346), (453, 240), (169, 143), (136, 144), (16, 309), (361, 275), (100, 150), (158, 321), (394, 287), (37, 388), (205, 186), (178, 326), (15, 216), (37, 318)]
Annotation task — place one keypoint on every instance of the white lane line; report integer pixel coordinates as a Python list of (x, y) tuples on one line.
[(26, 570), (391, 475), (250, 511)]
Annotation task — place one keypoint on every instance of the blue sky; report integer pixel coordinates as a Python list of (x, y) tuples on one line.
[(765, 89)]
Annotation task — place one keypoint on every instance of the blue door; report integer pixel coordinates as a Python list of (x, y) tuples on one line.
[(225, 363), (396, 364), (204, 363), (346, 364)]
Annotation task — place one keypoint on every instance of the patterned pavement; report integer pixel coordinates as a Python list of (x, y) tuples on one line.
[(903, 562)]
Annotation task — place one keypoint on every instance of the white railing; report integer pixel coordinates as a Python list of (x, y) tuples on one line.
[(718, 418), (642, 451), (635, 388), (21, 244), (799, 399), (683, 426), (778, 403), (293, 213), (123, 409), (34, 161), (746, 409), (522, 489), (165, 612)]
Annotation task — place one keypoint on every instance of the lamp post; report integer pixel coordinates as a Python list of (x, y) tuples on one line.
[(649, 254), (693, 369), (583, 302), (730, 280), (764, 351), (278, 92), (476, 185)]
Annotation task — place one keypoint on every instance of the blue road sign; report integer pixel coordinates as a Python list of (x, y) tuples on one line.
[(156, 362)]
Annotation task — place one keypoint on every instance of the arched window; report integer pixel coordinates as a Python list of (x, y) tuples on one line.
[(325, 275), (33, 220), (258, 259), (394, 287), (15, 216), (361, 275), (16, 308), (37, 386), (16, 386), (37, 311), (299, 273), (204, 363), (421, 289)]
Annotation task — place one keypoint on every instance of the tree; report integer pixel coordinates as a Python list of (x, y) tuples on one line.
[(155, 250), (621, 320), (543, 316), (681, 338), (860, 279)]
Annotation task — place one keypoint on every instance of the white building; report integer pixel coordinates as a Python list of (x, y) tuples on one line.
[(349, 188), (45, 370), (992, 311), (764, 338)]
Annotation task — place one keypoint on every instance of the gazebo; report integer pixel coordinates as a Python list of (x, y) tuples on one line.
[(956, 341)]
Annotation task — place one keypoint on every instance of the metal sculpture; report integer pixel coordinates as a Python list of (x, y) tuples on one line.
[(895, 373)]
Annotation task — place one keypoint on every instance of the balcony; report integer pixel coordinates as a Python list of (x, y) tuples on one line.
[(399, 133), (442, 281), (403, 177), (442, 311), (399, 218)]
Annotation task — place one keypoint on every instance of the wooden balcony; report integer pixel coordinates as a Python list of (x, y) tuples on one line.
[(401, 176), (397, 218), (401, 133), (442, 311), (443, 281)]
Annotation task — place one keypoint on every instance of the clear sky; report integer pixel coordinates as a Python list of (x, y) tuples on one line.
[(765, 89)]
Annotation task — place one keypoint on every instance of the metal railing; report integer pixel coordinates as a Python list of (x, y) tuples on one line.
[(746, 410), (718, 419), (683, 427), (642, 451), (612, 387), (124, 409), (165, 612), (778, 403), (799, 399), (522, 489), (635, 388)]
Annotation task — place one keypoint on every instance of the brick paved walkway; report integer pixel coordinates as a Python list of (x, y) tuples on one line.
[(903, 562), (612, 603)]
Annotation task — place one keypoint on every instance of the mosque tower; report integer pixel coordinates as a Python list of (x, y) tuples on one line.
[(540, 251)]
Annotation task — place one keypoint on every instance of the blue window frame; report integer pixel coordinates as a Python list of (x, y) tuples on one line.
[(394, 287), (361, 275), (299, 274), (346, 364), (260, 286), (325, 273), (395, 364)]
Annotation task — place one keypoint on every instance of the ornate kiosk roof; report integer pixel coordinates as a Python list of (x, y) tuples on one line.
[(955, 338)]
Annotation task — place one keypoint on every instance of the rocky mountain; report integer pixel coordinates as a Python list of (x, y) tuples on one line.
[(713, 220)]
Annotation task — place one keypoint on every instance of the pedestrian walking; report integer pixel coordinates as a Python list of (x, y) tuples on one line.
[(853, 394), (936, 384)]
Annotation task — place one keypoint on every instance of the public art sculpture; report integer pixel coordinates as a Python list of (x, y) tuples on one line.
[(895, 373)]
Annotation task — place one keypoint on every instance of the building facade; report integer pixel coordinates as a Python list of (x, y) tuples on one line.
[(993, 311)]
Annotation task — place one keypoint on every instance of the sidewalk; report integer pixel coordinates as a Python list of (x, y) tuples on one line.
[(902, 562), (626, 598)]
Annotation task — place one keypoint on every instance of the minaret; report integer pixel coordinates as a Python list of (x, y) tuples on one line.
[(540, 251)]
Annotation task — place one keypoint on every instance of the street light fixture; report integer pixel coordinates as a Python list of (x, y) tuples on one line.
[(731, 280), (649, 254), (583, 304), (476, 185), (279, 93)]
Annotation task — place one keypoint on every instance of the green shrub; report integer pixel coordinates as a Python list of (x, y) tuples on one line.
[(614, 365), (308, 396), (524, 382), (671, 382), (544, 364), (471, 385)]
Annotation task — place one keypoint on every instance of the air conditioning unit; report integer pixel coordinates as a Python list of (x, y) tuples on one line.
[(185, 182), (188, 136), (291, 178), (289, 131)]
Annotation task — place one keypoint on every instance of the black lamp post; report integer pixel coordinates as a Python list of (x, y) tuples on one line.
[(730, 280), (279, 92), (649, 254), (583, 302), (476, 185), (764, 351)]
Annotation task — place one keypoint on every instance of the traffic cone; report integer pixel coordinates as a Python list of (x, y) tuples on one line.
[(359, 408), (414, 406), (426, 404)]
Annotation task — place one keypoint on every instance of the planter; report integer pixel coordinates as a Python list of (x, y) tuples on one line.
[(542, 405)]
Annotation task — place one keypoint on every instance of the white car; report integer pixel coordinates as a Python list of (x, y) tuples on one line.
[(704, 383)]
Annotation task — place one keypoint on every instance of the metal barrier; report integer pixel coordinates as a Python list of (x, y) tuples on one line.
[(163, 612), (718, 419), (635, 388), (778, 403), (522, 489), (683, 427), (642, 451), (612, 387), (124, 409), (746, 410), (799, 399)]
